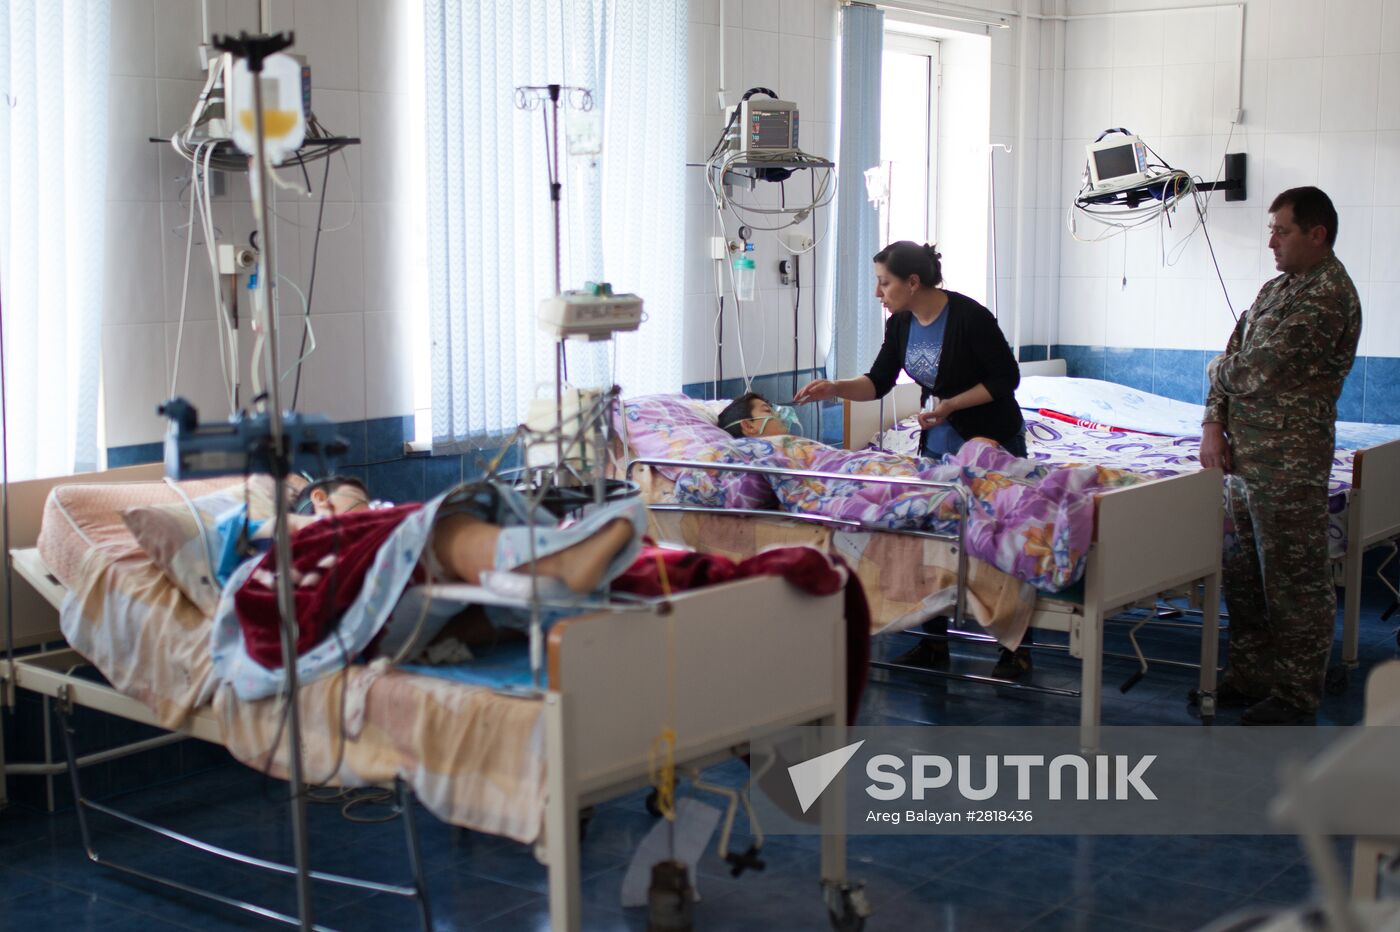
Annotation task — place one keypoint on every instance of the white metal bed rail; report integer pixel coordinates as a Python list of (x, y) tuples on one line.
[(963, 498)]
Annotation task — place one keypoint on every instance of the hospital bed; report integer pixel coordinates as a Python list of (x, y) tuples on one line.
[(596, 721), (1372, 503), (1125, 567)]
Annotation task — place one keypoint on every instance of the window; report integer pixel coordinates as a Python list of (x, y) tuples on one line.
[(908, 137), (488, 221)]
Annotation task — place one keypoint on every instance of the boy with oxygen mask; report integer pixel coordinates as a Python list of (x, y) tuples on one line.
[(752, 415)]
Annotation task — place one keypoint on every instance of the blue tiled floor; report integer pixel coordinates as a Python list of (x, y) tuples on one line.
[(1045, 883)]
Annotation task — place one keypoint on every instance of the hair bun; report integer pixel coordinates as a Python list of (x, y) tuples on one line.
[(932, 250)]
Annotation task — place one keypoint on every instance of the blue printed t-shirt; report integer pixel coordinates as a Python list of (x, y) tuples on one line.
[(233, 529), (921, 358)]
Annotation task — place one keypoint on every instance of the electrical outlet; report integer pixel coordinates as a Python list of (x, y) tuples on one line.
[(236, 259)]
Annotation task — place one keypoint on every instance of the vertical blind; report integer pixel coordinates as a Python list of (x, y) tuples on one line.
[(489, 222), (53, 198)]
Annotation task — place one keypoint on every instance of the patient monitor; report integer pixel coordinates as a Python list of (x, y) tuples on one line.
[(1120, 161)]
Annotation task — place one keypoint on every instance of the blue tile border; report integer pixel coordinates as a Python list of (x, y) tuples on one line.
[(135, 454), (1371, 393), (1351, 406), (1179, 374), (1082, 362), (1130, 367), (775, 386)]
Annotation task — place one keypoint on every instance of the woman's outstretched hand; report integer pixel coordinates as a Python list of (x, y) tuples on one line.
[(816, 390), (937, 416)]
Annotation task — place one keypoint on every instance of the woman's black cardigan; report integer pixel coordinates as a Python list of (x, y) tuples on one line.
[(974, 352)]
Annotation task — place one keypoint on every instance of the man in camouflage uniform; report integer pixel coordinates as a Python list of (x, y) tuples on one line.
[(1270, 423)]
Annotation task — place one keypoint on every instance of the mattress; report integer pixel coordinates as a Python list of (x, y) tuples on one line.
[(474, 757), (84, 517)]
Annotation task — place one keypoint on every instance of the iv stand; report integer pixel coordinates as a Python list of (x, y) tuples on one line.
[(530, 97), (255, 49)]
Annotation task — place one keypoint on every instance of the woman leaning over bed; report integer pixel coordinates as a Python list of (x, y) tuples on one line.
[(949, 344), (954, 348)]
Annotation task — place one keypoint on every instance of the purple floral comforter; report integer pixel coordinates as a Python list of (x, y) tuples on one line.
[(1031, 520), (1049, 440)]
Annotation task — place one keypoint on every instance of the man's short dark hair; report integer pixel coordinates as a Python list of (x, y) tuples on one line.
[(738, 411), (329, 485), (1311, 206)]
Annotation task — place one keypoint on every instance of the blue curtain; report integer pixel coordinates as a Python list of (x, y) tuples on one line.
[(857, 322)]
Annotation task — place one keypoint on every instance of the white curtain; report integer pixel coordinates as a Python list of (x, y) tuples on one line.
[(53, 197), (489, 222)]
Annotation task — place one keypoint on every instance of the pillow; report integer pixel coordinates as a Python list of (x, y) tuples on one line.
[(183, 539), (671, 427)]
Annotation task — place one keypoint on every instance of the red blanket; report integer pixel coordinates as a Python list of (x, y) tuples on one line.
[(803, 567), (330, 559)]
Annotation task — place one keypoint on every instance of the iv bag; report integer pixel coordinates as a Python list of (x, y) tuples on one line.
[(284, 120)]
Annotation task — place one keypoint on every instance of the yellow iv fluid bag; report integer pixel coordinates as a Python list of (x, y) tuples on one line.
[(284, 121)]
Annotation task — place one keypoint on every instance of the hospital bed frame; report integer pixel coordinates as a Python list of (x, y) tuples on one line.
[(603, 709), (1124, 566), (1382, 709), (1373, 507)]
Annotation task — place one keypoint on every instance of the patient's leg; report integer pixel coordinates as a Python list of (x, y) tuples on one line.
[(467, 547)]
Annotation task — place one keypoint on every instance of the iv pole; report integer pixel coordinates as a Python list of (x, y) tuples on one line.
[(255, 49), (529, 97)]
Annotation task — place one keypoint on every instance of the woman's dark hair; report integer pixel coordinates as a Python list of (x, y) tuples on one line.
[(302, 504), (1311, 207), (737, 411), (906, 258)]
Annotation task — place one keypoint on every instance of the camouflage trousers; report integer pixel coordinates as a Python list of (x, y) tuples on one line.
[(1278, 587)]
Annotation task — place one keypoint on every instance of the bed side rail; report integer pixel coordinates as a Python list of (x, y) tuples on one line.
[(714, 664), (1155, 535)]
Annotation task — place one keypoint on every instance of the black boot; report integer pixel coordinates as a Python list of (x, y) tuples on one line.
[(1013, 665), (929, 652)]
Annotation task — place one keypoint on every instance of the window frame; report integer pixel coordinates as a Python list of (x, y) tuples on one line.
[(898, 40)]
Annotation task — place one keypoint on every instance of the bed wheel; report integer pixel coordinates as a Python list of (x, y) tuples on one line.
[(846, 905), (653, 804), (1208, 710), (1338, 678)]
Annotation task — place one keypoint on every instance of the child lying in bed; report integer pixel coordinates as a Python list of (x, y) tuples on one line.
[(1026, 519), (351, 564)]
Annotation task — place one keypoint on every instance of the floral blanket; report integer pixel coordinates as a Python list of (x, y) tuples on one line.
[(1053, 441), (1031, 520)]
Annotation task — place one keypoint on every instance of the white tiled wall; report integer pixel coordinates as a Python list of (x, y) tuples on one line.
[(1321, 99), (790, 46), (362, 294), (793, 47)]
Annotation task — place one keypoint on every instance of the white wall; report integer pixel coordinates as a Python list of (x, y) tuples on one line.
[(362, 298), (790, 46), (1321, 99), (793, 46)]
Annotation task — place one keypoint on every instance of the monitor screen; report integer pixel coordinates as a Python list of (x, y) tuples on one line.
[(1115, 162), (770, 129)]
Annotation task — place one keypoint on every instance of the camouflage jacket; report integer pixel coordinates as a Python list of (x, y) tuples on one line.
[(1289, 354)]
